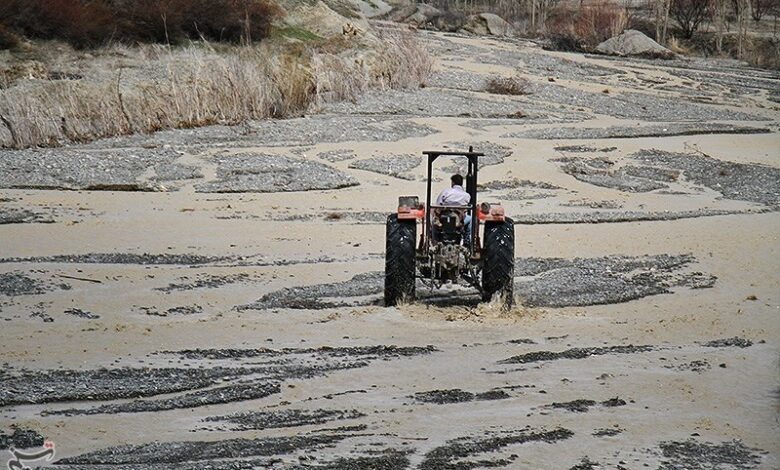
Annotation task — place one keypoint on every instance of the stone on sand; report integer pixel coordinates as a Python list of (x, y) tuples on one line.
[(633, 43), (488, 24)]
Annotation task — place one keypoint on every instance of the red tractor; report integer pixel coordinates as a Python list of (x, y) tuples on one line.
[(446, 252)]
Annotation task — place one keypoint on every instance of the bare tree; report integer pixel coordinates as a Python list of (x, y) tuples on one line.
[(758, 8), (719, 18), (689, 14), (661, 8), (742, 13)]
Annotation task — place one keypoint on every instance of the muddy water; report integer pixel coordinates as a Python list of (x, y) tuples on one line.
[(175, 344)]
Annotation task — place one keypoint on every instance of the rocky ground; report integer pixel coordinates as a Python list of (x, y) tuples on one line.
[(212, 298)]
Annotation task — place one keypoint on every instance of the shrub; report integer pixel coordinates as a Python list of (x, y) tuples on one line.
[(763, 52), (585, 27), (508, 86), (8, 40)]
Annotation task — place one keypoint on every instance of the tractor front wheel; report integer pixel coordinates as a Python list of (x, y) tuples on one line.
[(399, 260), (498, 269)]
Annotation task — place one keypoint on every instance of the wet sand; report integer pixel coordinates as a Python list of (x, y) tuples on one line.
[(682, 373)]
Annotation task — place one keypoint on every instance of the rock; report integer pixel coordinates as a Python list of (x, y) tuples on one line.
[(449, 21), (488, 24), (634, 43), (423, 15), (318, 18)]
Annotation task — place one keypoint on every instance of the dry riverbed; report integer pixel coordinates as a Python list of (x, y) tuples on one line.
[(212, 298)]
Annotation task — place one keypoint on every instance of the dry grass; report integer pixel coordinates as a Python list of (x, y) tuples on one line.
[(508, 86), (676, 46), (151, 88), (582, 28)]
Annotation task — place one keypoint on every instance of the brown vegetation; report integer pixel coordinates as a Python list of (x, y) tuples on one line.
[(508, 86), (582, 28), (148, 88), (93, 23)]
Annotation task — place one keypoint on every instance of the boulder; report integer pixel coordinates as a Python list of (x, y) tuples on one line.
[(372, 8), (633, 43), (488, 24), (318, 18), (449, 21), (423, 15)]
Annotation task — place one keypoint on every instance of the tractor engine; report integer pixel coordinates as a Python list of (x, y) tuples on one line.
[(450, 228), (448, 260)]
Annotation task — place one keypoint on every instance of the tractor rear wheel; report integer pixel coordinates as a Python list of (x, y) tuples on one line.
[(399, 260), (498, 269)]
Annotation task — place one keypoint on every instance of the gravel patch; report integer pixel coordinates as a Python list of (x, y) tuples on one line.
[(453, 454), (633, 105), (391, 165), (122, 258), (494, 155), (586, 464), (11, 215), (593, 171), (17, 283), (20, 438), (593, 204), (547, 65), (553, 282), (214, 396), (521, 195), (744, 81), (740, 181), (515, 183), (77, 312), (48, 386), (435, 102), (176, 172), (694, 455), (457, 395), (458, 80), (698, 366), (196, 452), (574, 353), (600, 217), (558, 282), (113, 170), (390, 459), (577, 406), (283, 419), (320, 296), (205, 281), (525, 117), (383, 352), (334, 156), (651, 173), (303, 131), (250, 172), (729, 342), (180, 310), (583, 149), (371, 217), (619, 132)]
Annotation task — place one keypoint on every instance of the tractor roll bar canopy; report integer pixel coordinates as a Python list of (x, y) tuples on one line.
[(471, 186)]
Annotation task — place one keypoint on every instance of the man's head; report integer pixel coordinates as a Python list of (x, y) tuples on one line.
[(457, 180)]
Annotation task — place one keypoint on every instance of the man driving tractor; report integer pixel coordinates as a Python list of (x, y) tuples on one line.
[(444, 253), (456, 196)]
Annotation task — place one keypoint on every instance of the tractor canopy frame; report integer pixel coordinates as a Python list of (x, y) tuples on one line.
[(471, 188)]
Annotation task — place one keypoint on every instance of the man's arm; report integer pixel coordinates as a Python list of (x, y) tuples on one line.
[(440, 199)]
